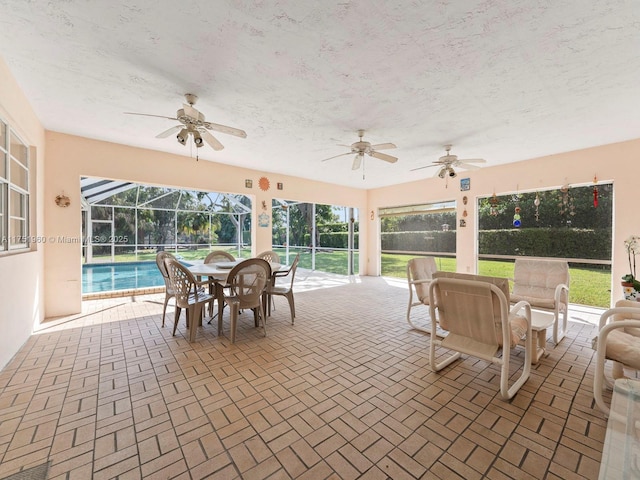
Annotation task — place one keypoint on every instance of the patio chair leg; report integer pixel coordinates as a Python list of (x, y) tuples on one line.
[(233, 322)]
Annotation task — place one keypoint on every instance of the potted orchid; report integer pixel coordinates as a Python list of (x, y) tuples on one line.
[(629, 281)]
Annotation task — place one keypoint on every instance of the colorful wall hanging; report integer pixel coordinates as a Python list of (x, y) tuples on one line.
[(516, 215), (566, 201), (493, 201)]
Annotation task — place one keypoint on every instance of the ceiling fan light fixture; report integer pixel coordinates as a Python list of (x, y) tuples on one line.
[(197, 139), (452, 172), (182, 136), (442, 172)]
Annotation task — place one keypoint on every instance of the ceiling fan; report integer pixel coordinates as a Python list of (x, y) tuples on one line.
[(192, 122), (448, 161), (362, 148)]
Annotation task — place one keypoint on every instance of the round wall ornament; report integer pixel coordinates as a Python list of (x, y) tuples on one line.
[(63, 201), (264, 184)]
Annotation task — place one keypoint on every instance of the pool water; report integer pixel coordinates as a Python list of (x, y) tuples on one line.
[(106, 277)]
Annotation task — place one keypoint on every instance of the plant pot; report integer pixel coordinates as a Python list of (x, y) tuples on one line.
[(630, 293)]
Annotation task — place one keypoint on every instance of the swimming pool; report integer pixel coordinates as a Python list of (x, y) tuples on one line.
[(107, 277)]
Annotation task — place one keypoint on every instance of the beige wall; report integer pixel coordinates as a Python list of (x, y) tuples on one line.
[(70, 157), (21, 285), (616, 163)]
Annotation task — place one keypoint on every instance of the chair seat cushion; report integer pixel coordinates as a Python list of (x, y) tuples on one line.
[(623, 348), (518, 326), (534, 301)]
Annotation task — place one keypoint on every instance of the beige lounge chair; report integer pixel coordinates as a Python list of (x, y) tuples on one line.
[(618, 340), (247, 281), (420, 272), (544, 284), (475, 316)]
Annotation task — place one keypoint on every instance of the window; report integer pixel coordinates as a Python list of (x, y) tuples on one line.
[(417, 230), (325, 236), (14, 191), (573, 223)]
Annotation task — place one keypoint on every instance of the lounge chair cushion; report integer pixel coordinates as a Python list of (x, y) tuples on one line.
[(536, 280), (518, 328), (422, 269), (623, 348), (534, 301), (628, 303)]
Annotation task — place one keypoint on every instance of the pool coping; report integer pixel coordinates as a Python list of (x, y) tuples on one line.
[(123, 293)]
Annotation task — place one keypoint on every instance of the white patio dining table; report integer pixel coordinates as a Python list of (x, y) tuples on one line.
[(218, 273)]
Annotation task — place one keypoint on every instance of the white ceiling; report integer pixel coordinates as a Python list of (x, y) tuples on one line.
[(502, 80)]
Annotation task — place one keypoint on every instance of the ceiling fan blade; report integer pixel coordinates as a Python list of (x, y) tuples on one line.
[(211, 140), (384, 156), (190, 111), (224, 129), (383, 146), (149, 115), (472, 160), (420, 168), (169, 131), (357, 160), (336, 156), (467, 166)]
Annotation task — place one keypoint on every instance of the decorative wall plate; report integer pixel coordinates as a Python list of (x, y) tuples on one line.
[(63, 201), (264, 183)]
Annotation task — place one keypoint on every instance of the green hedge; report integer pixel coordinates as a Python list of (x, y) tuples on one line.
[(427, 241), (533, 242), (333, 240), (337, 240), (547, 242)]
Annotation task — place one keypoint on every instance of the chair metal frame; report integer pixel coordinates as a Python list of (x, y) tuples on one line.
[(620, 324)]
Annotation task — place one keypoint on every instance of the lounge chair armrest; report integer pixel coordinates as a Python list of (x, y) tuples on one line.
[(604, 318), (559, 289), (423, 280), (604, 332), (519, 306)]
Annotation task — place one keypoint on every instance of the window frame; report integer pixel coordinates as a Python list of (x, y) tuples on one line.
[(12, 241)]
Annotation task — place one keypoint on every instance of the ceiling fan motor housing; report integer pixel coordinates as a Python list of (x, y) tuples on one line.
[(187, 120), (360, 147)]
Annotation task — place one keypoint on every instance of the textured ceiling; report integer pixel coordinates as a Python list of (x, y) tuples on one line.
[(502, 80)]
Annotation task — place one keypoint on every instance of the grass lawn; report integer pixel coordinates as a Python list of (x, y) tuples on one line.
[(588, 286)]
